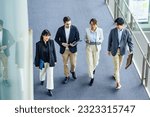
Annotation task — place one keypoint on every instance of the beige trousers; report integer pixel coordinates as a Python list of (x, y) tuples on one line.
[(117, 59), (50, 78), (73, 58), (4, 66), (92, 55)]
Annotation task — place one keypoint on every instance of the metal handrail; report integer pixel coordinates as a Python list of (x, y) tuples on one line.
[(136, 22)]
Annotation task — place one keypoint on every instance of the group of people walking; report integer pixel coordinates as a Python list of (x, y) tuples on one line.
[(67, 37)]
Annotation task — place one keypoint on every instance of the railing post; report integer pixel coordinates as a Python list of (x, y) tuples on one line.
[(131, 22), (147, 67), (115, 9), (143, 70), (107, 2), (118, 6)]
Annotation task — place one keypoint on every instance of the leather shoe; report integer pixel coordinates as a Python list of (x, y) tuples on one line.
[(91, 82), (66, 80), (73, 75), (113, 77), (42, 82), (50, 93), (94, 71)]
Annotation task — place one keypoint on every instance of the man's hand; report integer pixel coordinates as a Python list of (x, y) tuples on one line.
[(65, 44), (130, 53), (87, 41), (109, 53)]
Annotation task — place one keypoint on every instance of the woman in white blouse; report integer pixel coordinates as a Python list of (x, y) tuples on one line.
[(93, 39)]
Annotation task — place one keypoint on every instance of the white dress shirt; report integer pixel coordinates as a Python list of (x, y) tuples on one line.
[(67, 32), (120, 35)]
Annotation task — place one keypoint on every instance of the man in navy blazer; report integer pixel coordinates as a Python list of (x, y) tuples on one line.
[(67, 37), (119, 38)]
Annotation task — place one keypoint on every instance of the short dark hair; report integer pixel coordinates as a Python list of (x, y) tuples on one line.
[(119, 21), (66, 19), (93, 20), (1, 22), (45, 33)]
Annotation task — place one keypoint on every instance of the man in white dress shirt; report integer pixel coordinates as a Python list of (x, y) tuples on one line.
[(67, 37)]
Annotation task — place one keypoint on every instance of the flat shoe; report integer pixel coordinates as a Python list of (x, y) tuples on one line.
[(118, 87)]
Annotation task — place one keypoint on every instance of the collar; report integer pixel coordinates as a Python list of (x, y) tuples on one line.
[(93, 31), (120, 29), (67, 28)]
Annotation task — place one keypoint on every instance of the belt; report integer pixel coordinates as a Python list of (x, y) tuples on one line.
[(94, 43)]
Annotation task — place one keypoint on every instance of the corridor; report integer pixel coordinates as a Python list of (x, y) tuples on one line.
[(48, 14)]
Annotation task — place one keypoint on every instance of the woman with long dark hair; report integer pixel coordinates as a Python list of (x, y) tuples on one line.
[(45, 59)]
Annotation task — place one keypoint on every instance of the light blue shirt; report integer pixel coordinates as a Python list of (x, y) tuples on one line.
[(93, 35), (120, 35)]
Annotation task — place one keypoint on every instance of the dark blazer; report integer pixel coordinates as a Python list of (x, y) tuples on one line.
[(73, 38), (39, 53), (7, 40), (113, 42)]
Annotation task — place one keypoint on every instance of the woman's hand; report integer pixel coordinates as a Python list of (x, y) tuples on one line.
[(109, 53)]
